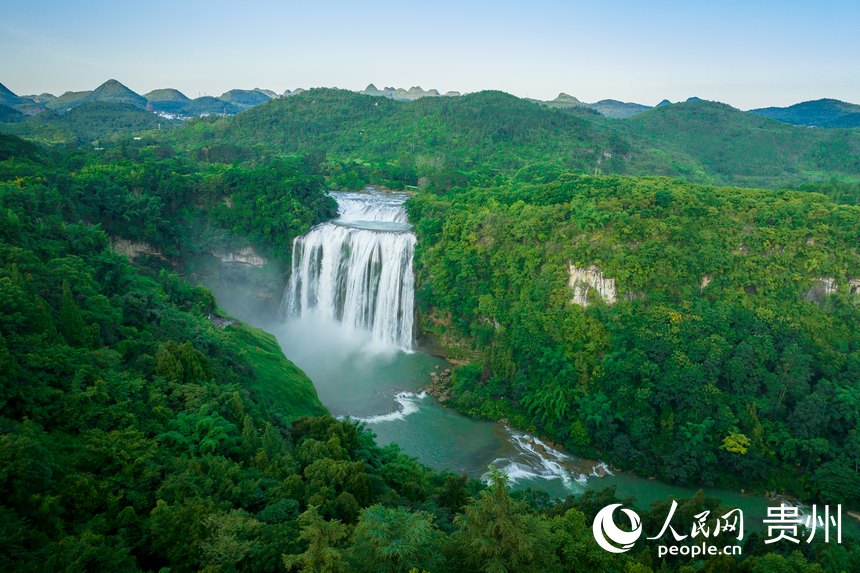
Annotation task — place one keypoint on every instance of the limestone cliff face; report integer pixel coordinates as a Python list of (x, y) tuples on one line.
[(133, 249), (246, 256), (825, 286), (584, 279)]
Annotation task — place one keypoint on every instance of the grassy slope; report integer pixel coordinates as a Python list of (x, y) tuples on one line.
[(279, 386)]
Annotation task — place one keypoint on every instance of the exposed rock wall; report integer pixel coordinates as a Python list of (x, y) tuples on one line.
[(584, 279), (825, 286), (133, 249), (246, 256)]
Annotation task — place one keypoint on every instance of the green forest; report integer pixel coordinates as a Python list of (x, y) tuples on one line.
[(145, 430), (716, 339)]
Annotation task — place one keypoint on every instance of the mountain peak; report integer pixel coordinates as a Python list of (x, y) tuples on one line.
[(563, 97), (113, 91), (166, 94), (400, 94), (245, 98), (826, 112), (8, 97)]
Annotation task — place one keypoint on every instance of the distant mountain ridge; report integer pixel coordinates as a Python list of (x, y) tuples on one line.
[(619, 109), (816, 113), (8, 98), (246, 98), (401, 94), (166, 94), (171, 103), (114, 92), (607, 107), (166, 101), (68, 100)]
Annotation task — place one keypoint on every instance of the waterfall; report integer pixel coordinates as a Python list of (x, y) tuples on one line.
[(357, 269)]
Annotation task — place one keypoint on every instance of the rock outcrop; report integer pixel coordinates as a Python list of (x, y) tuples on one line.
[(582, 280), (134, 249), (246, 256), (401, 94), (823, 287)]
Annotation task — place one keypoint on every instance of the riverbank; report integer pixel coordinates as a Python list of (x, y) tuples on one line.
[(441, 387)]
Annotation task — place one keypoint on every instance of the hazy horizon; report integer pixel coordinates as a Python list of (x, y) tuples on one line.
[(745, 54)]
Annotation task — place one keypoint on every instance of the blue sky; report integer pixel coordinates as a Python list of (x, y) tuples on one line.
[(746, 53)]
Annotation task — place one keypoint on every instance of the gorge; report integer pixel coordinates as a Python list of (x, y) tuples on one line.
[(347, 320)]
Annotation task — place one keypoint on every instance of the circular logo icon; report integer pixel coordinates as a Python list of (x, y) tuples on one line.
[(609, 536)]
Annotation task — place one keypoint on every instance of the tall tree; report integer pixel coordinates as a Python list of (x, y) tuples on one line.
[(498, 534), (395, 539), (321, 537)]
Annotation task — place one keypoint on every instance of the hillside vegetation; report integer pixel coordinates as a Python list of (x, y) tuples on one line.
[(721, 349), (139, 434), (719, 144), (90, 123), (472, 139), (818, 113), (475, 138)]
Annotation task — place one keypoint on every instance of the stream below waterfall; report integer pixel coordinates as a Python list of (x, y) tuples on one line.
[(347, 321), (383, 389)]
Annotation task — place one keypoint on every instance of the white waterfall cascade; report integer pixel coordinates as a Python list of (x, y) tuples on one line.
[(357, 269)]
